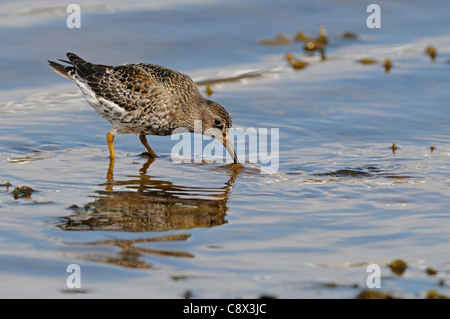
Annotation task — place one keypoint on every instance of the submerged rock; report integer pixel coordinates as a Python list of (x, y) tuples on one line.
[(398, 267), (22, 192)]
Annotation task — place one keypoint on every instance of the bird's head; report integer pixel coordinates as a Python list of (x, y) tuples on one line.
[(215, 122)]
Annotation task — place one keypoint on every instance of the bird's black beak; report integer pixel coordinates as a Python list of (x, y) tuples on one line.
[(229, 146)]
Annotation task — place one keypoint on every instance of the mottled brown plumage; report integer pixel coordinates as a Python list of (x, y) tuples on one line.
[(144, 99)]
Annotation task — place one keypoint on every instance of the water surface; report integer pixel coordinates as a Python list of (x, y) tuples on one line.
[(341, 199)]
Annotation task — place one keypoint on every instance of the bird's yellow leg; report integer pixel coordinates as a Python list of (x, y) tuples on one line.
[(110, 174), (143, 140), (110, 139)]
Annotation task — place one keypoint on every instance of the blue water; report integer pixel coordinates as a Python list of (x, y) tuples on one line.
[(342, 198)]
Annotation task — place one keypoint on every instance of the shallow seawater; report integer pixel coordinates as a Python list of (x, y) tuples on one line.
[(362, 175)]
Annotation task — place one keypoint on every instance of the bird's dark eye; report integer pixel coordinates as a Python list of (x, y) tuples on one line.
[(218, 123)]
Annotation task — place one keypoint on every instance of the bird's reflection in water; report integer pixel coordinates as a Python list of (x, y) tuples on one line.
[(145, 204)]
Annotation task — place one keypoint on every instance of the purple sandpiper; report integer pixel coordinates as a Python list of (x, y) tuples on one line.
[(145, 99)]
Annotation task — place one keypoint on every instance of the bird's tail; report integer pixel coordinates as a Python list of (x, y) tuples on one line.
[(75, 62), (65, 71), (76, 66)]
